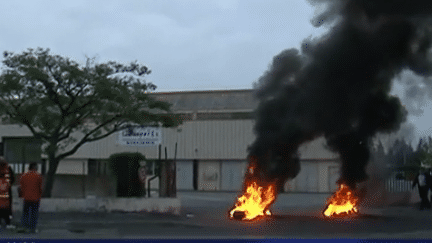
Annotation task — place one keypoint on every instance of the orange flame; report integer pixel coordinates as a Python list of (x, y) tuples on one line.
[(342, 203), (254, 202)]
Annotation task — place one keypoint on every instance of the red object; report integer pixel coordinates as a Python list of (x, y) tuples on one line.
[(4, 193), (31, 186), (5, 185)]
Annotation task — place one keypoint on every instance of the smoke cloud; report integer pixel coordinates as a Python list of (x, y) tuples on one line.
[(338, 86)]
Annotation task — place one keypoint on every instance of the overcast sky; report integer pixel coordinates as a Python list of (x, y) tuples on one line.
[(188, 44)]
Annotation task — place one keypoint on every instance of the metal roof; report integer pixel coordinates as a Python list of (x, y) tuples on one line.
[(216, 100)]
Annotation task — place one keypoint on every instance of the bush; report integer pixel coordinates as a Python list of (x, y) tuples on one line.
[(125, 168)]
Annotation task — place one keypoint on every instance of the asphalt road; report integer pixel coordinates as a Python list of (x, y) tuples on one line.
[(205, 215)]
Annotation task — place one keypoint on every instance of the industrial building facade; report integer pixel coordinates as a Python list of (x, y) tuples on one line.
[(211, 143)]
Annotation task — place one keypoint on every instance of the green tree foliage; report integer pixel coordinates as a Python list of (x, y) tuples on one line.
[(125, 168), (421, 157), (56, 98), (424, 153)]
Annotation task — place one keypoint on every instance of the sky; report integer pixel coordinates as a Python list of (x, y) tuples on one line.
[(188, 44)]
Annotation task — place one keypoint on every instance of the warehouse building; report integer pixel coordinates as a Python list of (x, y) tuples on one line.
[(211, 146)]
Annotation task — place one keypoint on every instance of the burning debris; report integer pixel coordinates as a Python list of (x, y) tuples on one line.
[(342, 203), (254, 202), (338, 87), (257, 197)]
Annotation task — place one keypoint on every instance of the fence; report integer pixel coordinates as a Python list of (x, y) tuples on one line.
[(395, 185)]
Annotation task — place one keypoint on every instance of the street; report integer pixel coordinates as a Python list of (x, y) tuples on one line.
[(205, 215)]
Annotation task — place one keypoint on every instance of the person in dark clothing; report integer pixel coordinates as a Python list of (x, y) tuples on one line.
[(429, 182), (12, 181), (420, 181)]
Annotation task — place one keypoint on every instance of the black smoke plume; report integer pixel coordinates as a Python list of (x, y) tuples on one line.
[(338, 86)]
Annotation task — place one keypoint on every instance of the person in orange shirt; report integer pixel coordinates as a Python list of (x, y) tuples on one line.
[(31, 189)]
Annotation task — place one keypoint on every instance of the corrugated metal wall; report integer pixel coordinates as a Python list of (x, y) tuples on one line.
[(314, 176), (217, 139), (218, 145), (220, 139), (196, 140)]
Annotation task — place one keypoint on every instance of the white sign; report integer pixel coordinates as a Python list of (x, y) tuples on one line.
[(141, 136)]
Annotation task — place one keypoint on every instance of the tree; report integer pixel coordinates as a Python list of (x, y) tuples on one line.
[(67, 105), (421, 157), (424, 153), (400, 154)]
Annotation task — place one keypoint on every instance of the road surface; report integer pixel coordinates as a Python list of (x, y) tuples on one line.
[(205, 215)]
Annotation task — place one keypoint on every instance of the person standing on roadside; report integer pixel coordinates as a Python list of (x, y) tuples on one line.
[(420, 181), (11, 177), (429, 182), (31, 189)]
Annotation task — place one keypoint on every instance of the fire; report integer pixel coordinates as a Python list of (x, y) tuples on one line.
[(254, 202), (342, 203)]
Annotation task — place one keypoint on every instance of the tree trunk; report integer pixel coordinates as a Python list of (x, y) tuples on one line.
[(49, 180)]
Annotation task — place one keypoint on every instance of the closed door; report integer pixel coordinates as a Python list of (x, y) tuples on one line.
[(307, 179), (232, 177), (184, 175), (209, 176)]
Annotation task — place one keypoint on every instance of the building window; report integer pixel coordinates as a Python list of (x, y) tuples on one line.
[(97, 167), (92, 167)]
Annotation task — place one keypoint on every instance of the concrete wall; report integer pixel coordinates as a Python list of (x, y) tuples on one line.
[(86, 193), (95, 204), (80, 186)]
